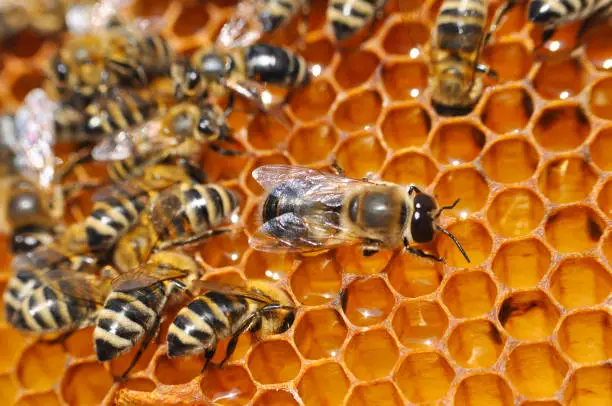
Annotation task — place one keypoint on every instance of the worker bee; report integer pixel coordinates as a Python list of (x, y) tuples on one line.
[(134, 307), (222, 312), (347, 17), (458, 39), (306, 210)]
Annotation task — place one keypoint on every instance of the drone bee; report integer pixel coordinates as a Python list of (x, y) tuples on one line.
[(306, 210), (133, 309), (459, 37), (222, 312), (347, 17)]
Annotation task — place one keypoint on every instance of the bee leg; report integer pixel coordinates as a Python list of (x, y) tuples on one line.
[(209, 354), (420, 253), (487, 71), (231, 100), (194, 172), (80, 157), (546, 36), (231, 346), (143, 346), (337, 168)]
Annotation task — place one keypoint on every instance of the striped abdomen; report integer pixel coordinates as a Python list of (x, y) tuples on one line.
[(276, 13), (551, 12), (19, 287), (276, 65), (349, 16), (205, 321), (151, 51), (460, 25)]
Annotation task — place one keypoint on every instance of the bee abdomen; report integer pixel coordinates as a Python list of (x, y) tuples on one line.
[(558, 11), (460, 24), (18, 288), (271, 64), (276, 12), (349, 16), (189, 334)]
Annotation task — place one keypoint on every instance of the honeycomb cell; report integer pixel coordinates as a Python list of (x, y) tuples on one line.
[(176, 371), (229, 385), (412, 276), (475, 344), (260, 265), (80, 344), (474, 238), (406, 38), (12, 342), (483, 389), (378, 393), (192, 19), (264, 160), (469, 294), (562, 128), (320, 334), (26, 82), (466, 184), (140, 385), (367, 301), (601, 98), (587, 336), (352, 260), (85, 384), (404, 80), (507, 110), (597, 48), (604, 199), (26, 45), (41, 366), (424, 377), (521, 263), (313, 143), (322, 384), (355, 68), (567, 180), (574, 229), (319, 52), (420, 324), (406, 126), (37, 399), (317, 280), (275, 397), (457, 142), (590, 386), (358, 111), (510, 160), (8, 388), (119, 365), (515, 212), (360, 154), (510, 60), (371, 355), (536, 370), (578, 282), (225, 249), (528, 315), (264, 133), (219, 167), (600, 149), (313, 101), (560, 79), (410, 167), (273, 361)]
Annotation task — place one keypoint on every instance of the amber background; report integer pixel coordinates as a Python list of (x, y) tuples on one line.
[(528, 322)]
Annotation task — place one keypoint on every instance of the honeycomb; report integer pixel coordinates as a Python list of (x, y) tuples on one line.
[(528, 322)]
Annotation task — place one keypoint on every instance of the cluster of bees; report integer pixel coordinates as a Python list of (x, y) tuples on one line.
[(122, 266)]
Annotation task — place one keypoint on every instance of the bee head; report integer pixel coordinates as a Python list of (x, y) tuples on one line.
[(209, 126), (186, 79)]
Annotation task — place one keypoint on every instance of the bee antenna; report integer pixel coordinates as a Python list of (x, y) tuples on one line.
[(457, 243), (452, 206)]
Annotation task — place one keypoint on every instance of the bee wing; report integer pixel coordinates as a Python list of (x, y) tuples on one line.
[(146, 275), (80, 286), (243, 27), (207, 286), (127, 187), (139, 141)]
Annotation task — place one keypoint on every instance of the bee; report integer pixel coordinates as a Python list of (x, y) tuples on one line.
[(134, 307), (459, 37), (347, 17), (306, 210), (222, 312)]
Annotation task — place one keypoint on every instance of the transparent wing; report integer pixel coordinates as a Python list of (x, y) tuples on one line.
[(139, 141), (85, 18), (244, 27), (261, 97), (146, 275), (125, 188), (81, 286), (208, 286)]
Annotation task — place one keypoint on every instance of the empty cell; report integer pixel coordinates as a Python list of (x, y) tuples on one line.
[(312, 101), (26, 82), (601, 98), (25, 45), (323, 384), (475, 240), (275, 397), (560, 79), (37, 399), (361, 154), (353, 261), (587, 336), (319, 52), (507, 110), (574, 229), (220, 167), (375, 393), (597, 49), (8, 388), (355, 68), (604, 199), (601, 149), (371, 355), (420, 324), (41, 366), (510, 160), (80, 344), (406, 38), (424, 377), (521, 263), (225, 249), (410, 167), (580, 282), (85, 384), (192, 19), (404, 80), (320, 334), (274, 159), (273, 361), (469, 294), (317, 280), (562, 128), (263, 132), (475, 344), (536, 370), (11, 343), (466, 184), (457, 142), (484, 389), (567, 180), (367, 301), (273, 266), (412, 276), (229, 385), (140, 385), (510, 60), (406, 126), (358, 111), (176, 371), (312, 143), (515, 212), (528, 315), (590, 386)]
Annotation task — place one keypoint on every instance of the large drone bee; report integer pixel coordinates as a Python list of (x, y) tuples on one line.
[(306, 210)]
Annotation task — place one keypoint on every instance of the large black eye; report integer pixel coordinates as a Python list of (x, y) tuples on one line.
[(193, 78), (421, 226), (61, 71), (205, 126)]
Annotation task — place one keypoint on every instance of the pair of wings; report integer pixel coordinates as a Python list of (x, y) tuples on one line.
[(316, 230)]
